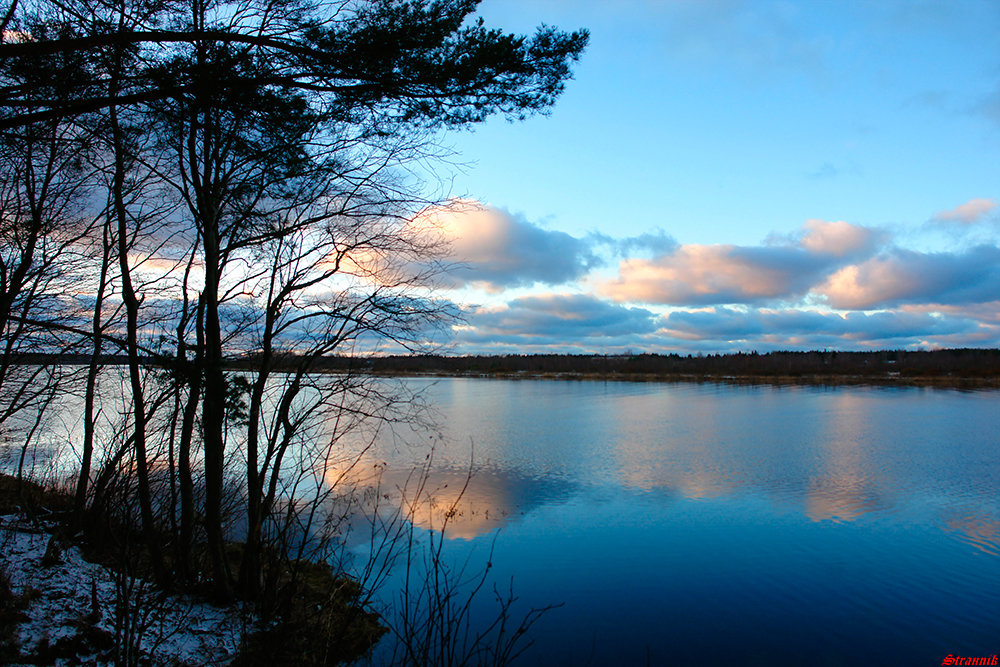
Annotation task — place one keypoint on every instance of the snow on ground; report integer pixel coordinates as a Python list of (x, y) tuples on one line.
[(181, 630)]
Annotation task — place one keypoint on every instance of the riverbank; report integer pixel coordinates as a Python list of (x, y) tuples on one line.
[(940, 381), (959, 368), (68, 600), (60, 604), (970, 368), (59, 608)]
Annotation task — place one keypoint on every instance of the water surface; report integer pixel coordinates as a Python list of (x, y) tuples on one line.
[(715, 524)]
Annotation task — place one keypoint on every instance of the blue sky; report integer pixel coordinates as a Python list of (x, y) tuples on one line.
[(728, 175)]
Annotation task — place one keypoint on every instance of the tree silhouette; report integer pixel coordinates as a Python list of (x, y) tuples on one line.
[(256, 146)]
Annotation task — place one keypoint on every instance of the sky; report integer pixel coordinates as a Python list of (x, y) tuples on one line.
[(727, 175)]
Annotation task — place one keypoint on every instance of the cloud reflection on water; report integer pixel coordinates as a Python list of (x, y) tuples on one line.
[(466, 503), (842, 455), (975, 527)]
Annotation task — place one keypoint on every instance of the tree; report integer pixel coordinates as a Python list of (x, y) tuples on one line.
[(269, 143), (45, 180), (418, 61), (277, 128)]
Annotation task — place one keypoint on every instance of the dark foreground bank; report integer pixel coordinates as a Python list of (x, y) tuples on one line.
[(67, 598)]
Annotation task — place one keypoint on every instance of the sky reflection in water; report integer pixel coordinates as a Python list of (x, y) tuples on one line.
[(708, 524)]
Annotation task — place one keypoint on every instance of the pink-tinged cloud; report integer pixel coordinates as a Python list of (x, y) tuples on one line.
[(706, 274), (903, 276), (987, 312), (839, 239), (969, 213), (721, 274), (496, 249)]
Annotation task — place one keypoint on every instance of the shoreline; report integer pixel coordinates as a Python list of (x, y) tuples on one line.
[(831, 380), (951, 369)]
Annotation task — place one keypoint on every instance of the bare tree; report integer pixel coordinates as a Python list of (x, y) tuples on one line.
[(44, 185), (256, 151)]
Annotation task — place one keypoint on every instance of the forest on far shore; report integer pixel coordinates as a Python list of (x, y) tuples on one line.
[(893, 365), (980, 364)]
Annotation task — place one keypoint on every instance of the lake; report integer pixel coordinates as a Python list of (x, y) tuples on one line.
[(709, 524)]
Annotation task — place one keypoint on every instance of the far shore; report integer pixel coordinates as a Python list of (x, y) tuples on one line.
[(942, 381), (968, 368)]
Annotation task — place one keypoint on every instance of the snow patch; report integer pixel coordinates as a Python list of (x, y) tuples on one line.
[(178, 629)]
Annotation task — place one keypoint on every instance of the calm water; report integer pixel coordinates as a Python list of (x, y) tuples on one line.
[(703, 524)]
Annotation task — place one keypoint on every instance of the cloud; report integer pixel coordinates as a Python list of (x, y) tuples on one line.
[(555, 323), (764, 330), (986, 312), (709, 274), (656, 242), (721, 274), (727, 298), (927, 99), (562, 315), (904, 276), (969, 213), (837, 239), (583, 324), (496, 249), (725, 324)]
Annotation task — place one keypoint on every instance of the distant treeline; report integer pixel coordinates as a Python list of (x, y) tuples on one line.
[(960, 363), (956, 363)]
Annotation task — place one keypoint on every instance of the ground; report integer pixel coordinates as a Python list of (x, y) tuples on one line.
[(63, 610)]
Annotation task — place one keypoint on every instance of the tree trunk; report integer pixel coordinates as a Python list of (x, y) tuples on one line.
[(213, 416), (192, 373), (83, 481), (131, 303)]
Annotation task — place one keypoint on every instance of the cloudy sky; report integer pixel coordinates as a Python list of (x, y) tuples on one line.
[(728, 175)]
